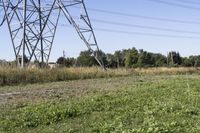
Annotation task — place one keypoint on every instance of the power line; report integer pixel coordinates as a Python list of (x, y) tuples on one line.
[(144, 27), (143, 17), (188, 1), (141, 26), (146, 34), (175, 4), (137, 33)]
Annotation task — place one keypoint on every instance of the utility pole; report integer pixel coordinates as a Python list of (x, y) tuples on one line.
[(64, 57), (64, 54)]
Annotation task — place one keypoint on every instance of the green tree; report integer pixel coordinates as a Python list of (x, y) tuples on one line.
[(159, 60), (145, 59), (86, 59), (131, 58), (119, 58), (66, 62), (111, 62), (186, 62), (61, 61), (174, 59), (101, 56)]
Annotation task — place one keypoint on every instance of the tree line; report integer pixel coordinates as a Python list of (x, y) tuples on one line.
[(131, 58)]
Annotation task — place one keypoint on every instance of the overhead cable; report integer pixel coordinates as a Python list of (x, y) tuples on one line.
[(143, 17), (188, 2), (138, 33), (144, 27), (175, 4)]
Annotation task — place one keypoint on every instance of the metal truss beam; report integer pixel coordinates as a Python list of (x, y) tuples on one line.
[(32, 26), (81, 23)]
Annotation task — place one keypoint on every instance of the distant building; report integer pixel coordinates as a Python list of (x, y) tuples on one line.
[(52, 65)]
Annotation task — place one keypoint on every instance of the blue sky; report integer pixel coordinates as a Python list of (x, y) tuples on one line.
[(67, 39)]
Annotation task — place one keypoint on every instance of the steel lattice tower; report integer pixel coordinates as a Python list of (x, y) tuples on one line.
[(32, 26)]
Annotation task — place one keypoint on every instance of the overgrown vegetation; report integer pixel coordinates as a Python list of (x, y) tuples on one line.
[(13, 76), (133, 58), (143, 104)]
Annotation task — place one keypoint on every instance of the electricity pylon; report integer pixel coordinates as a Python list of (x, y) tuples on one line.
[(32, 26)]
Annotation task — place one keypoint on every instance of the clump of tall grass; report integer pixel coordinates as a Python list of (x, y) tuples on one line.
[(168, 70), (13, 76)]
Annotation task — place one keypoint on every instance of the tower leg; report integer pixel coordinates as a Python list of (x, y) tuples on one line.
[(81, 23), (32, 28)]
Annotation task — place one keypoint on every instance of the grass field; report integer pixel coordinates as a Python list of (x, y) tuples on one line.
[(17, 76), (135, 103)]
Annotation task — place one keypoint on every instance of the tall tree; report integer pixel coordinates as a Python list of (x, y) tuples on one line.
[(86, 59), (119, 58), (131, 58), (174, 58), (160, 60), (111, 62), (66, 62)]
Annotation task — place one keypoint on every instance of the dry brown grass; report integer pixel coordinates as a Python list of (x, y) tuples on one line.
[(168, 70), (13, 76)]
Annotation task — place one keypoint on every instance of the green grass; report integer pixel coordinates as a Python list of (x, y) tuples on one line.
[(138, 104)]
